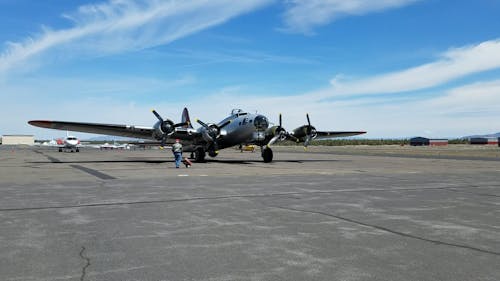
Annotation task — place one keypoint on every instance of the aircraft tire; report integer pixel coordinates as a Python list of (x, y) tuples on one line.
[(267, 155), (60, 149), (213, 153), (199, 155), (77, 150)]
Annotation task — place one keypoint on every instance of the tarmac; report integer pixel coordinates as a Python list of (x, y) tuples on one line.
[(329, 213)]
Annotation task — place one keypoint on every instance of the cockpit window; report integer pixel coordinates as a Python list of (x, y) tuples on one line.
[(261, 122), (238, 112)]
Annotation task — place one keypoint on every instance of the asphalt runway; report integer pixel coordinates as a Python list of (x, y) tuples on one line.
[(326, 214)]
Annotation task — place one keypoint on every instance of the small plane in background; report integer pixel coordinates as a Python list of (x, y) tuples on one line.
[(69, 143), (114, 145), (239, 128)]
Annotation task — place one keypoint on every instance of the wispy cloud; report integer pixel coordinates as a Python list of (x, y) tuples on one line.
[(304, 16), (464, 110), (477, 97), (453, 64), (236, 56), (50, 89), (122, 25)]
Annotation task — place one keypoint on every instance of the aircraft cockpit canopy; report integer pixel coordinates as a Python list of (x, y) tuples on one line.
[(261, 122), (238, 112)]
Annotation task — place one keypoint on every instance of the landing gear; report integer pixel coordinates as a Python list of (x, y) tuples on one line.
[(199, 155), (213, 153), (267, 155), (77, 150), (60, 149)]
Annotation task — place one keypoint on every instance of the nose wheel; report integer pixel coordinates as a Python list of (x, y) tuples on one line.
[(267, 155)]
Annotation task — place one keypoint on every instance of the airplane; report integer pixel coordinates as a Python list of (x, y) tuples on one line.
[(70, 143), (114, 145), (238, 128)]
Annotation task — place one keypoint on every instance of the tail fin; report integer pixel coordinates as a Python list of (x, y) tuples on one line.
[(185, 118)]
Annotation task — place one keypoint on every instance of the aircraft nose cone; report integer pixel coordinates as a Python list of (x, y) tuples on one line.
[(261, 122)]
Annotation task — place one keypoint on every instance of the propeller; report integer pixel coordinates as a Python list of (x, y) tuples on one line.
[(310, 132), (167, 127), (279, 133), (213, 132)]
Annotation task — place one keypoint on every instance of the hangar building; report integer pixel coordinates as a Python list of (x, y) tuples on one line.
[(483, 141), (420, 141), (18, 139)]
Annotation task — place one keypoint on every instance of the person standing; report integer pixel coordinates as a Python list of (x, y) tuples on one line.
[(177, 150)]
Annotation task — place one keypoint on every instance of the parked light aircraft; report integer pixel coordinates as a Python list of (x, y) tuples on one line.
[(70, 143), (238, 128), (114, 145)]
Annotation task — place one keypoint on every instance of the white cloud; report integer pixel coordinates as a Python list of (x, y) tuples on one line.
[(120, 26), (465, 110), (452, 65), (123, 25), (456, 112), (52, 89), (63, 101), (303, 15), (475, 98)]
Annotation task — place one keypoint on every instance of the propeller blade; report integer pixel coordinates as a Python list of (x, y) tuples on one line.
[(157, 115), (273, 140), (202, 123), (163, 140), (280, 121), (309, 127), (306, 142)]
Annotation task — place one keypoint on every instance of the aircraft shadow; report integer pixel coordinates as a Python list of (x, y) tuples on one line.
[(240, 162), (274, 161), (103, 161)]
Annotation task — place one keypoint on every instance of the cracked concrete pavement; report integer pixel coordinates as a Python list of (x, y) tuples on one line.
[(129, 215)]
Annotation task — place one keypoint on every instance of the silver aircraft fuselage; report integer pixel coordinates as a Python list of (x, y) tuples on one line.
[(243, 129)]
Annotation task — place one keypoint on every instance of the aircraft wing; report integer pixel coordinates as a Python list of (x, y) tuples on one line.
[(140, 132), (337, 134)]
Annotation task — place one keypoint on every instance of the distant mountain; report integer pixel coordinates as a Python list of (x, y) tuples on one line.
[(495, 135)]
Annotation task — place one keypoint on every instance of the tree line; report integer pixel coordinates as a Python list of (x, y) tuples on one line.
[(342, 142)]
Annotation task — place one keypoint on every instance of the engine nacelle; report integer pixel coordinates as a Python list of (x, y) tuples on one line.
[(274, 131), (161, 129), (301, 132), (211, 133)]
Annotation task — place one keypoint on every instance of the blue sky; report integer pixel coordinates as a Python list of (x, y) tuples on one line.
[(395, 68)]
